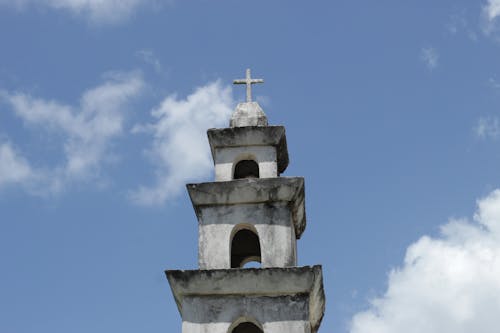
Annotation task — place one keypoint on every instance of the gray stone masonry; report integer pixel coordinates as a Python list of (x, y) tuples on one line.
[(280, 299), (248, 114), (273, 207), (265, 145)]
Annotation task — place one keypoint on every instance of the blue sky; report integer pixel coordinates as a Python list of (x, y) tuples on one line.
[(392, 116)]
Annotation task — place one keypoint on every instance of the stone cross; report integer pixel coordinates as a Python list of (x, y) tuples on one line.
[(248, 81)]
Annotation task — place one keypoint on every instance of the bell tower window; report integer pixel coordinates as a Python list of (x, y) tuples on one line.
[(246, 169), (245, 248)]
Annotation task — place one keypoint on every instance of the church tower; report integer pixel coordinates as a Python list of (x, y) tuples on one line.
[(249, 214)]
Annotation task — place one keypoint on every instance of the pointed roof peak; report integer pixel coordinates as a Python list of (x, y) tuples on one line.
[(248, 114)]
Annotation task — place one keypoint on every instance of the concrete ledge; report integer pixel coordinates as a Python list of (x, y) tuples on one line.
[(306, 280), (251, 136), (253, 190)]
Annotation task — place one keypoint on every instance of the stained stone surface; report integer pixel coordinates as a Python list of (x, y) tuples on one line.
[(281, 299), (265, 145), (227, 159), (248, 114), (273, 207), (272, 223)]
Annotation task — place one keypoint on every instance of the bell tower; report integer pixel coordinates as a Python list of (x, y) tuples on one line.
[(249, 214)]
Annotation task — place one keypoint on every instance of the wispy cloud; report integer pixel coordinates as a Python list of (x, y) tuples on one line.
[(446, 284), (100, 11), (14, 169), (491, 12), (492, 9), (458, 23), (430, 57), (148, 57), (494, 83), (180, 151), (88, 129), (488, 128)]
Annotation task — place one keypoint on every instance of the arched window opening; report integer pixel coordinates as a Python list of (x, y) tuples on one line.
[(246, 169), (247, 327), (245, 248)]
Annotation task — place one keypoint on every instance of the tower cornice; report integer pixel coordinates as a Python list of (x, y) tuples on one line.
[(251, 282), (253, 191), (251, 136)]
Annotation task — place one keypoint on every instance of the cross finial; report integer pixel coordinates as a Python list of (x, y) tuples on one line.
[(248, 81)]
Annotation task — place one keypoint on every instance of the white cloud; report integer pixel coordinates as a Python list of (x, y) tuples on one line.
[(491, 12), (430, 57), (446, 284), (488, 128), (88, 129), (180, 148), (110, 11), (492, 9), (14, 169)]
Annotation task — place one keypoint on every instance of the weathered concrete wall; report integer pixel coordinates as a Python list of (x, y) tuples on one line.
[(251, 136), (242, 192), (226, 158), (274, 314), (272, 221), (272, 285), (271, 327)]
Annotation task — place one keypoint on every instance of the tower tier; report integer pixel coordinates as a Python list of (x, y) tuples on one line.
[(264, 145), (273, 299), (243, 220)]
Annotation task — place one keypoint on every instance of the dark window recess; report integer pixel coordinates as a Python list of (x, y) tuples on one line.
[(245, 247), (246, 169), (247, 327)]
